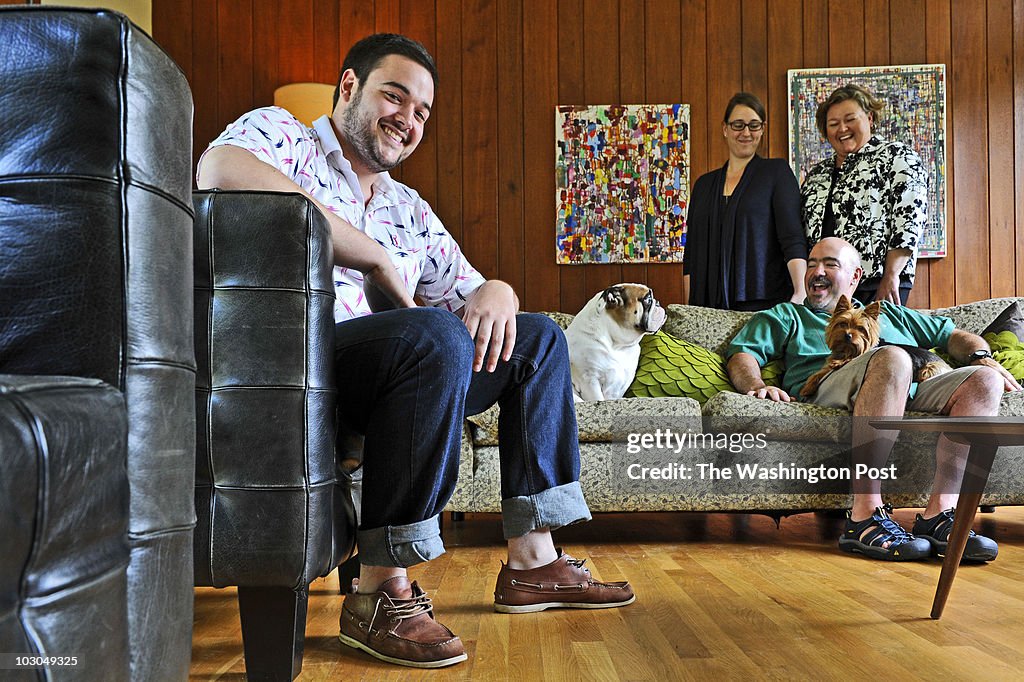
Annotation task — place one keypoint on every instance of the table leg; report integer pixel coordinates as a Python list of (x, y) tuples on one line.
[(979, 463)]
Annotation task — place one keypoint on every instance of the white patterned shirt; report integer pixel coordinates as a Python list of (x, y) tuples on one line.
[(426, 255)]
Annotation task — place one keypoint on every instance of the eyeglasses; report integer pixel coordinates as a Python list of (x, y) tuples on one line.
[(738, 126)]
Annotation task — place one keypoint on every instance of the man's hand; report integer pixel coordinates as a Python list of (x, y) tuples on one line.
[(771, 393), (490, 317), (1009, 383), (745, 375)]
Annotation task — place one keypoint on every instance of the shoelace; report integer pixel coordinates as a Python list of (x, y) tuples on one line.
[(895, 530), (402, 609)]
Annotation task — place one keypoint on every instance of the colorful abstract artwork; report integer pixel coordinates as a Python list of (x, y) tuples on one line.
[(622, 183), (915, 114)]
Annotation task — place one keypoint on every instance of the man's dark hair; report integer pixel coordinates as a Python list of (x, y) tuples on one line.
[(365, 55)]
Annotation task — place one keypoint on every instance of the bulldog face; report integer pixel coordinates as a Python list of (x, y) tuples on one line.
[(633, 306)]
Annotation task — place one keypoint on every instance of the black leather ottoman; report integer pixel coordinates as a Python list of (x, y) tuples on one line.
[(64, 501), (96, 282)]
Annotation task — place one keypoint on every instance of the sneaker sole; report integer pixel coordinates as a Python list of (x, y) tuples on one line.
[(939, 550), (533, 608), (858, 547), (356, 644)]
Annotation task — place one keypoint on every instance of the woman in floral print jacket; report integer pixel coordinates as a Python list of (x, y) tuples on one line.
[(873, 193)]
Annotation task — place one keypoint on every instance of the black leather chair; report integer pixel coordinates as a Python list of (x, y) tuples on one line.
[(96, 479), (273, 511)]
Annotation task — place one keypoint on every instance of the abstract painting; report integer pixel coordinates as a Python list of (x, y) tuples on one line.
[(915, 114), (622, 183)]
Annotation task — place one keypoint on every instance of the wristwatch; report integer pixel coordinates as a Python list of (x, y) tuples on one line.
[(978, 355)]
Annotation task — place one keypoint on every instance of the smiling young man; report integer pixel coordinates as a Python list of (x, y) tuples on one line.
[(877, 384), (407, 377)]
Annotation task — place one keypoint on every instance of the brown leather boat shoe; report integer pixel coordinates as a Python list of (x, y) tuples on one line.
[(396, 624), (564, 583)]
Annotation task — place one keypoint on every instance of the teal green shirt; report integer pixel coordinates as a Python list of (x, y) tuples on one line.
[(796, 334)]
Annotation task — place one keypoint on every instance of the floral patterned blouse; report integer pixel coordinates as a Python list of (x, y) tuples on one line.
[(880, 202)]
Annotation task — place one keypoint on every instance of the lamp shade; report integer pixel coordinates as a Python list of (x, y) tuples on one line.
[(306, 101)]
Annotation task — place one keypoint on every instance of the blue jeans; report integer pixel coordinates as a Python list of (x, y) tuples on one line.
[(405, 381)]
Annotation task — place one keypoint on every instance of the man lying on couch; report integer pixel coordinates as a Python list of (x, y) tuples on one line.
[(876, 384)]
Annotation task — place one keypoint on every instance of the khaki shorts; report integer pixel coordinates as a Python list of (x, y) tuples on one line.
[(839, 389)]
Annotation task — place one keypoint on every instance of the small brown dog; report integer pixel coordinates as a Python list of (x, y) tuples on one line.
[(852, 332)]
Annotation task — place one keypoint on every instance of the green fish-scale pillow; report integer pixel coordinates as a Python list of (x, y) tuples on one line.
[(672, 368)]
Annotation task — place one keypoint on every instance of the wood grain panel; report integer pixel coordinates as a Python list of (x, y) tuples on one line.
[(540, 93), (486, 161), (785, 51), (387, 17), (632, 86), (234, 34), (754, 49), (999, 41), (876, 32), (295, 54), (265, 32), (942, 271), (664, 75), (447, 116), (910, 46), (512, 253), (845, 32), (601, 86), (1018, 132), (970, 147), (479, 130), (356, 20), (168, 17), (571, 90), (419, 171), (693, 90), (208, 122), (816, 36), (326, 41)]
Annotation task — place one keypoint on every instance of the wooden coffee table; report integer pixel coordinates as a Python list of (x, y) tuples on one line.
[(984, 435)]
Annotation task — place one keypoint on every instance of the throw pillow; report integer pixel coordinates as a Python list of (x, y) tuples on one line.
[(672, 368), (1004, 335), (1008, 351), (1010, 320), (772, 373)]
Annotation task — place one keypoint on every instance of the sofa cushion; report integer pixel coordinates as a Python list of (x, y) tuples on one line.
[(736, 412), (603, 421)]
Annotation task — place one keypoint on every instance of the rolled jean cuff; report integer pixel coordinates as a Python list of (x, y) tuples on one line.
[(551, 508), (401, 546)]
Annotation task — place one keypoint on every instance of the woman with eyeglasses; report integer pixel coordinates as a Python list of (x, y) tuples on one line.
[(873, 193), (745, 244)]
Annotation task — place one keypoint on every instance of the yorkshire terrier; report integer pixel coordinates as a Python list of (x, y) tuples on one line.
[(853, 331)]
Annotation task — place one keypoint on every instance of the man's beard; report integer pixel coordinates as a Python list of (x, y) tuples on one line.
[(811, 302), (359, 131)]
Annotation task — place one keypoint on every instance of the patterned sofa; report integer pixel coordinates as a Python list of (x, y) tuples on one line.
[(792, 440)]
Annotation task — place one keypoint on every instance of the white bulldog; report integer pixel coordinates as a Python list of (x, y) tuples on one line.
[(604, 340)]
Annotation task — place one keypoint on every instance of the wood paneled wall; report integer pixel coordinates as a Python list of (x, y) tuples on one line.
[(486, 164)]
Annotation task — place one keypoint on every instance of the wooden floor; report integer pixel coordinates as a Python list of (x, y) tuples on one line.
[(718, 596)]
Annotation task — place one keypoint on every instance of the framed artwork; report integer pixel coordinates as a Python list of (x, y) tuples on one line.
[(622, 183), (915, 114)]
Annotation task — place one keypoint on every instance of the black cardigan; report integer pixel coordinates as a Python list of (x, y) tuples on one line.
[(742, 255)]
